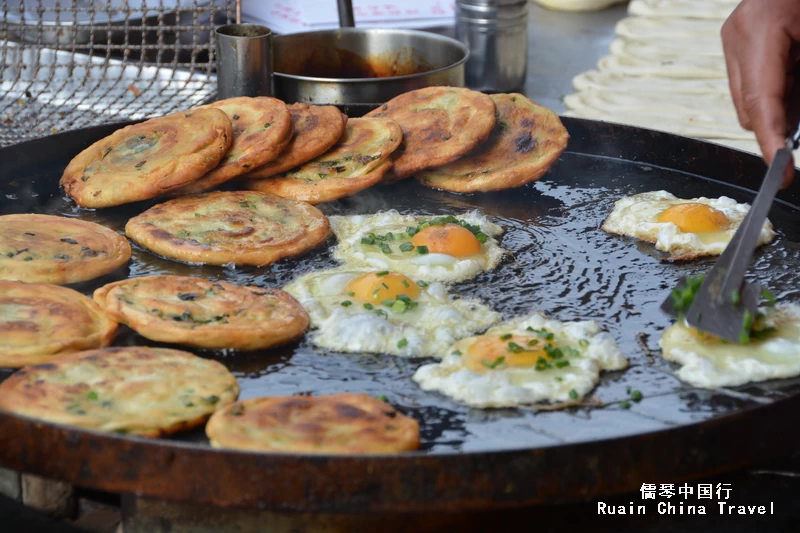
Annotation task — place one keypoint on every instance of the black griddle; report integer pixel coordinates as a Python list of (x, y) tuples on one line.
[(562, 265)]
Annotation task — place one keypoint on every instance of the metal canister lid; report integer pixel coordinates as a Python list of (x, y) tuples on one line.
[(492, 3), (493, 13)]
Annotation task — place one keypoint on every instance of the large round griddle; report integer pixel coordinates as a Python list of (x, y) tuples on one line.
[(562, 265)]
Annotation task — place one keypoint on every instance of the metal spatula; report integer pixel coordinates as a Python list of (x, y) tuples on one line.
[(725, 305)]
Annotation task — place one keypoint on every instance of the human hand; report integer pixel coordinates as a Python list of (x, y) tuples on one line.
[(760, 42)]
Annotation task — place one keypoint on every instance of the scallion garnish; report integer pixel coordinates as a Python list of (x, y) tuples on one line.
[(573, 394), (497, 362)]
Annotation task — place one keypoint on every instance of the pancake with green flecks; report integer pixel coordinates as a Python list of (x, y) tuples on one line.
[(61, 250), (230, 227), (202, 313), (357, 161), (148, 159), (262, 127), (39, 322), (136, 390), (527, 140)]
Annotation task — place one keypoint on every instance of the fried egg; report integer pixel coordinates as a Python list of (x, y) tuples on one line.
[(685, 229), (526, 360), (386, 312), (447, 249), (772, 352)]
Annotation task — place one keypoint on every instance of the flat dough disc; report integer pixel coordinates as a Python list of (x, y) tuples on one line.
[(39, 322), (660, 28), (231, 227), (686, 67), (51, 249), (262, 127), (136, 390), (649, 85), (440, 124), (711, 108), (526, 141), (691, 9), (148, 159), (668, 49), (359, 160), (679, 125), (316, 129), (202, 313), (332, 424)]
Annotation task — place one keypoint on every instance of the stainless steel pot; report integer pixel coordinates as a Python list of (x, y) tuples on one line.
[(369, 66)]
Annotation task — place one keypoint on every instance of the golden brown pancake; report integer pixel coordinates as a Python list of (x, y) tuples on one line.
[(50, 249), (357, 161), (333, 424), (316, 129), (232, 227), (203, 313), (136, 390), (39, 322), (440, 124), (527, 140), (262, 127), (148, 159)]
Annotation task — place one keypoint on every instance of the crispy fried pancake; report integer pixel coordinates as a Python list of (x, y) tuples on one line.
[(316, 130), (262, 127), (146, 160), (357, 161), (50, 249), (527, 140), (334, 424), (202, 313), (440, 124), (137, 390), (40, 321), (233, 227)]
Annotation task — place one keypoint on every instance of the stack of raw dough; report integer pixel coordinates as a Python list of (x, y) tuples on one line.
[(666, 71)]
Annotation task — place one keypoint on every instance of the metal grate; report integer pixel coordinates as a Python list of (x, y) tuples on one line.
[(67, 64)]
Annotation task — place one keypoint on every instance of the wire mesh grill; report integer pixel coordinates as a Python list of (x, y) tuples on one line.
[(67, 64)]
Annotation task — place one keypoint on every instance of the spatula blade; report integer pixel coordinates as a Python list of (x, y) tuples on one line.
[(725, 318), (728, 316)]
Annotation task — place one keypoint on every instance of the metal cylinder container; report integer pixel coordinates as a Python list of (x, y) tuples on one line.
[(244, 60), (363, 65), (496, 33)]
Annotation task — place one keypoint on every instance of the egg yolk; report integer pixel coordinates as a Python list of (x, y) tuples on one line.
[(695, 218), (379, 286), (450, 239), (516, 350)]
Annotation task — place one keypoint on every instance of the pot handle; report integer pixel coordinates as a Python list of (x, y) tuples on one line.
[(346, 19)]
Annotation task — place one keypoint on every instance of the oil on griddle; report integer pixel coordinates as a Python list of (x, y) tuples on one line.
[(562, 264)]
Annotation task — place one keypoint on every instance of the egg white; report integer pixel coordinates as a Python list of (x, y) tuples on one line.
[(349, 230), (437, 322), (510, 386), (637, 216), (710, 363)]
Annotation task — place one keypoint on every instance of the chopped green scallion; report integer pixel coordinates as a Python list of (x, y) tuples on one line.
[(573, 394)]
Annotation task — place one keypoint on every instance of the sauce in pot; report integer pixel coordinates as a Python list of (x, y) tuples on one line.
[(341, 63)]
